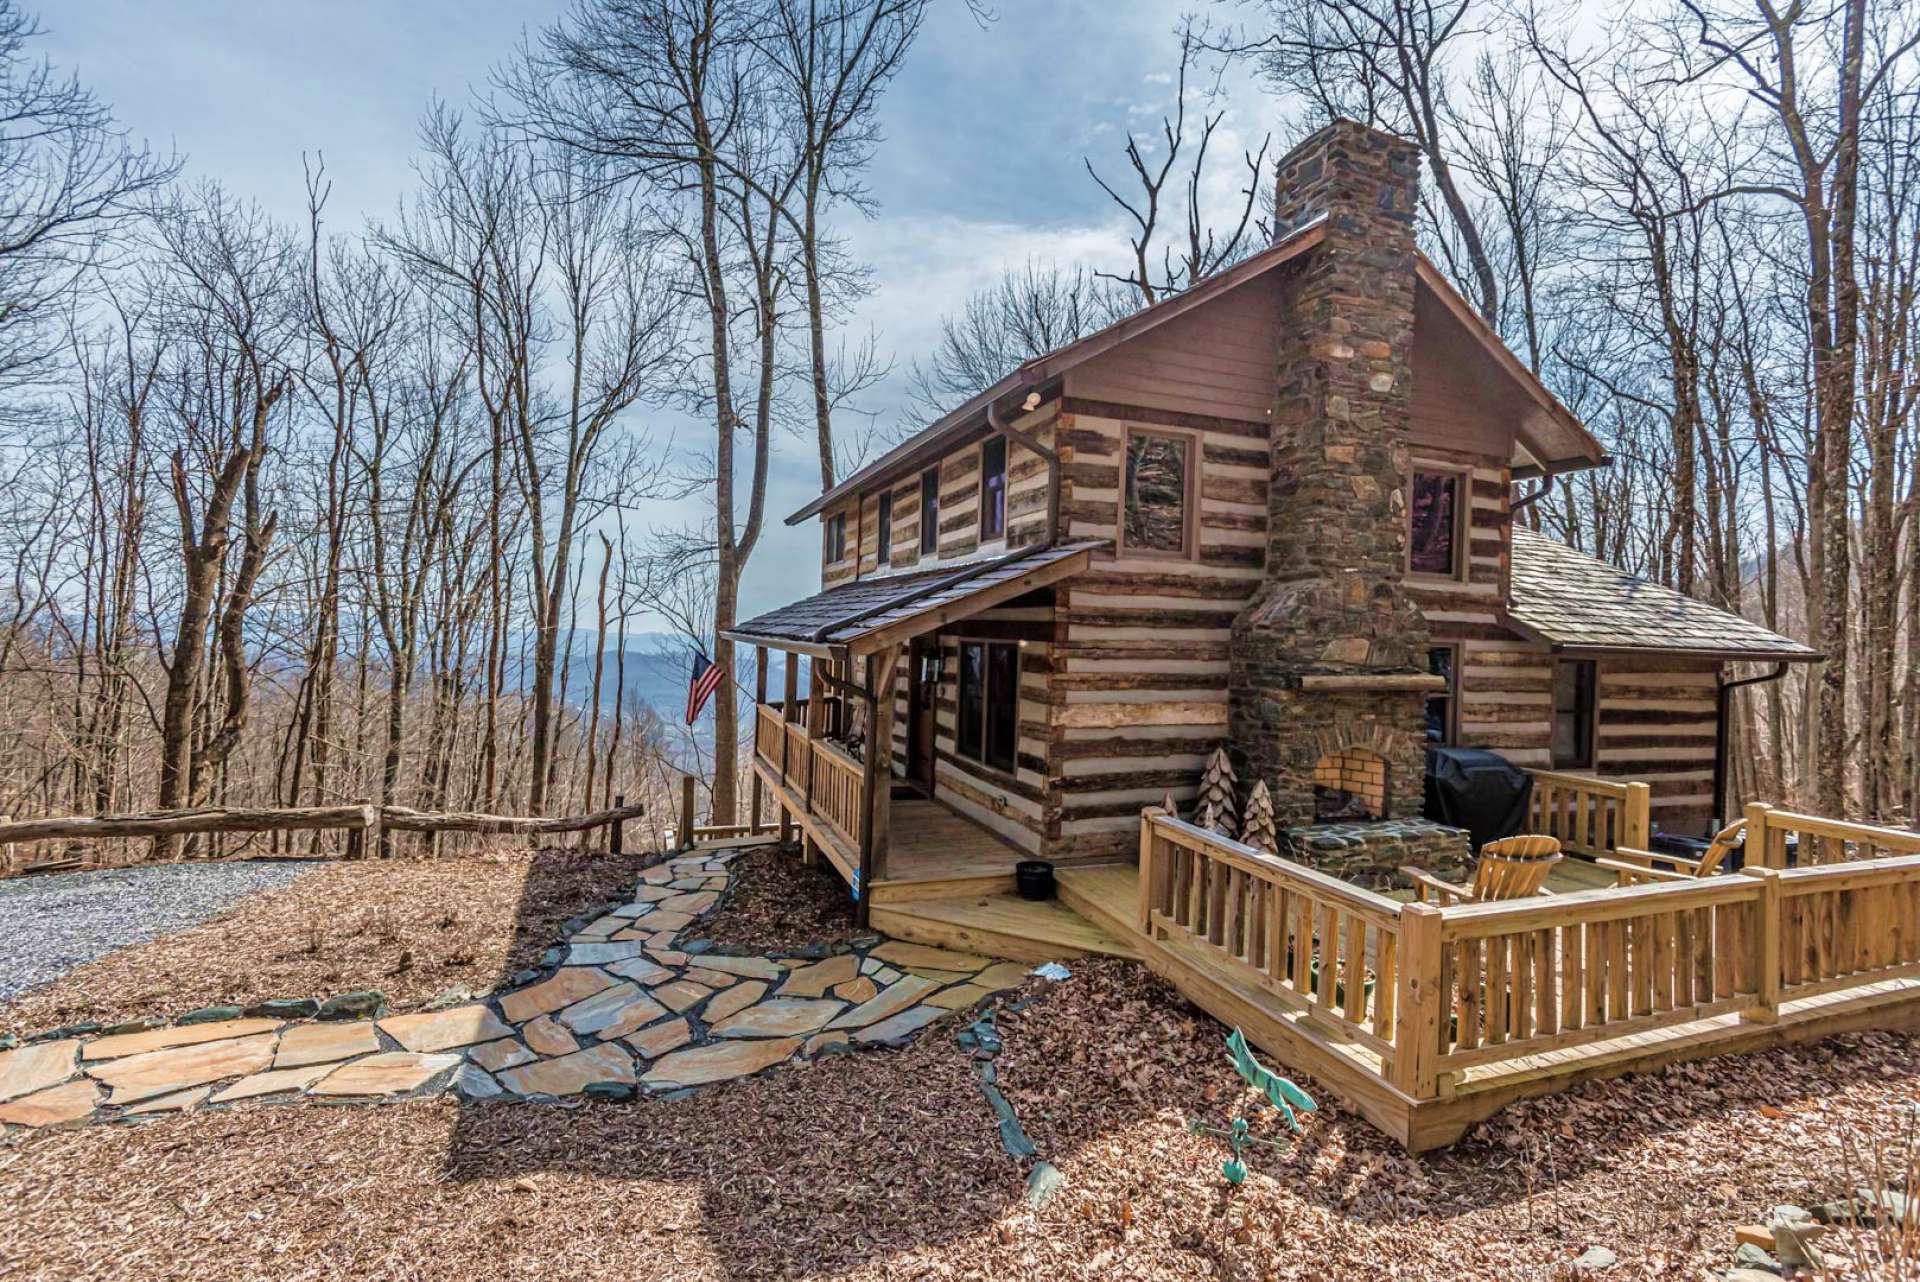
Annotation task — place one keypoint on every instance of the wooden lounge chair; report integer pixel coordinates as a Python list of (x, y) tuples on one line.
[(1510, 868), (1636, 867)]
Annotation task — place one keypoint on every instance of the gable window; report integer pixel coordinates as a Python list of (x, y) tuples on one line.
[(993, 487), (929, 511), (1443, 661), (987, 727), (1159, 485), (836, 537), (1435, 508), (884, 530), (1573, 715)]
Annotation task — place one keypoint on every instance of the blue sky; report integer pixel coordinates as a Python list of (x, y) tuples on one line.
[(981, 166)]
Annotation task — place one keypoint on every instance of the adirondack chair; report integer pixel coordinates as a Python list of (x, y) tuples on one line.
[(1509, 868), (1636, 867)]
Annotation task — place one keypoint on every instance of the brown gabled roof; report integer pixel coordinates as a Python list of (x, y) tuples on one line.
[(932, 439), (1553, 438), (1577, 604), (875, 612)]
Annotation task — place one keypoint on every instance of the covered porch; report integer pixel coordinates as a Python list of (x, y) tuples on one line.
[(827, 756)]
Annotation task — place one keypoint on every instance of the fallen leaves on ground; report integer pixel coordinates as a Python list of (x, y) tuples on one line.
[(410, 928), (779, 904)]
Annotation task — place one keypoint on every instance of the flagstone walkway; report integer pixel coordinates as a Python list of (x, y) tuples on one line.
[(623, 1009)]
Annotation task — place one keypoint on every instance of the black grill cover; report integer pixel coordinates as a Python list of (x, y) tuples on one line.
[(1477, 790)]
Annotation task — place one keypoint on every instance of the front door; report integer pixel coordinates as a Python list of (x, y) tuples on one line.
[(923, 686)]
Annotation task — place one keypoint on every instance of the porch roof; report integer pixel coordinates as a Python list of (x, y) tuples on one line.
[(1576, 603), (878, 611)]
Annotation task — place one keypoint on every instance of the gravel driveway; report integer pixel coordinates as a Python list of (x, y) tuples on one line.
[(52, 923)]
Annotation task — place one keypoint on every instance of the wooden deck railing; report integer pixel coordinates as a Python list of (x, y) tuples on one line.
[(1551, 972), (1819, 841), (827, 779), (1315, 943), (1590, 816), (1434, 993)]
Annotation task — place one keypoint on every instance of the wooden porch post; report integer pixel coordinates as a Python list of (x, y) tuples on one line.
[(880, 753), (1420, 1003), (686, 811), (1639, 817), (1766, 947), (789, 706), (759, 701), (816, 720), (1760, 848)]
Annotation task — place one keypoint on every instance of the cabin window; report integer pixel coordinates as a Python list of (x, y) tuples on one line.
[(1159, 483), (1434, 547), (929, 511), (1443, 661), (836, 537), (988, 724), (1573, 715), (993, 487), (884, 530)]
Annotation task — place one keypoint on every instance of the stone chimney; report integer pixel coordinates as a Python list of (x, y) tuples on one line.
[(1329, 658)]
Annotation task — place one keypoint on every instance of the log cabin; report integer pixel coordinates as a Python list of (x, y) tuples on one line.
[(1279, 511)]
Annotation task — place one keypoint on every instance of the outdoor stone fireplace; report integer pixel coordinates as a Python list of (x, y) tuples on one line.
[(1328, 677)]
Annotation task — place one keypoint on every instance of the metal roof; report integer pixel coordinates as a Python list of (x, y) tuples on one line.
[(1574, 602), (883, 610)]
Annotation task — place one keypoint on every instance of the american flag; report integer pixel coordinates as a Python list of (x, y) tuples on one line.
[(706, 679)]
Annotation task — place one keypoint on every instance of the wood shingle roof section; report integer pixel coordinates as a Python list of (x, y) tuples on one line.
[(1575, 603), (883, 610)]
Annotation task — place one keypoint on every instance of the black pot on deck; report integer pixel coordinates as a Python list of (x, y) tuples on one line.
[(1034, 877)]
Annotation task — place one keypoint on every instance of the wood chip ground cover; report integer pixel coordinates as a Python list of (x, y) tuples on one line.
[(409, 928), (780, 903), (888, 1165)]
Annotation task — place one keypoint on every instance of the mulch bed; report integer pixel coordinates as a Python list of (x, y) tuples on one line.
[(779, 904), (411, 929), (885, 1165)]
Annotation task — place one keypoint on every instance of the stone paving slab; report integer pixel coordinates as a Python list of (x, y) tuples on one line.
[(442, 1030), (32, 1068), (546, 1036), (657, 1039), (613, 1013), (682, 995), (743, 967), (568, 985), (139, 1077), (779, 1017), (892, 999), (737, 998), (388, 1073), (815, 980), (719, 1062), (900, 1025), (178, 1102), (641, 970), (52, 1107), (159, 1039), (571, 1074), (505, 1053), (273, 1082), (305, 1044)]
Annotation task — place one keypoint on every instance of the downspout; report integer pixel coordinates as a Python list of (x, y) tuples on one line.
[(1723, 703), (1528, 500)]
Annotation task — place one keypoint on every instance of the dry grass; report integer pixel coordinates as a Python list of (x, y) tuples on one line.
[(887, 1166), (410, 928)]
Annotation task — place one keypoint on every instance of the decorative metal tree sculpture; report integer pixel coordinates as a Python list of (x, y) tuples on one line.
[(1218, 788), (1257, 829), (1279, 1092)]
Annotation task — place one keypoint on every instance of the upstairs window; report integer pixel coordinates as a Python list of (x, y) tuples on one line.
[(836, 537), (885, 531), (929, 511), (1443, 661), (1435, 515), (993, 487), (1159, 481), (988, 725), (1573, 715)]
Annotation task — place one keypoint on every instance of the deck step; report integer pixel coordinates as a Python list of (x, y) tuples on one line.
[(898, 891), (1105, 894), (998, 925)]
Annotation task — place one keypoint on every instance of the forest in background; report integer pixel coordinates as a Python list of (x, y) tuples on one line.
[(297, 515)]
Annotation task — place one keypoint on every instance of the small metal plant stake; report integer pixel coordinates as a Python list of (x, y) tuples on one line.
[(1279, 1092)]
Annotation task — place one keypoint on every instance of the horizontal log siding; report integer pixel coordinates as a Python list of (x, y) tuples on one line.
[(1656, 723), (959, 512), (1140, 682)]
